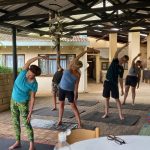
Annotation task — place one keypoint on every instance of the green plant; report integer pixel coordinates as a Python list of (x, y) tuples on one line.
[(4, 69)]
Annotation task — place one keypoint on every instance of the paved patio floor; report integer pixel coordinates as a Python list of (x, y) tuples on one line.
[(94, 93)]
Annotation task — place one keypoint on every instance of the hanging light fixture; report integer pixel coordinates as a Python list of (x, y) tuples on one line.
[(55, 27)]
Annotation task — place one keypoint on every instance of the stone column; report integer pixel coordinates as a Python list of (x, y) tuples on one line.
[(134, 46), (97, 68), (148, 51), (83, 79), (112, 45)]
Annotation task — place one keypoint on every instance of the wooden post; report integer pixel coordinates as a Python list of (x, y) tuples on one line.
[(58, 51), (14, 53)]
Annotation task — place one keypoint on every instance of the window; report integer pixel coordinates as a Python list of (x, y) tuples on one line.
[(7, 60), (49, 67), (105, 65)]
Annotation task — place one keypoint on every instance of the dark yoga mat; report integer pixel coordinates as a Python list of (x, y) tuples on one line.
[(46, 111), (5, 143), (113, 118), (143, 107), (64, 126), (68, 125), (52, 125), (85, 103)]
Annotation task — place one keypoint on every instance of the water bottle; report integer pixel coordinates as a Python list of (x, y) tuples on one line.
[(62, 143)]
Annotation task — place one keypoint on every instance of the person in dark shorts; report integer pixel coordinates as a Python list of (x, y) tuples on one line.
[(68, 88), (133, 78), (114, 71), (55, 84)]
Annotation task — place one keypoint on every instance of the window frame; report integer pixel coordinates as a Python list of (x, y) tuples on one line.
[(105, 64), (5, 56), (47, 55)]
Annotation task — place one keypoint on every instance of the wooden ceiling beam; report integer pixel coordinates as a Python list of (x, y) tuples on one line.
[(109, 8), (13, 2)]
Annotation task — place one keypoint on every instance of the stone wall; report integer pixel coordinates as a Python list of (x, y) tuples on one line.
[(6, 84)]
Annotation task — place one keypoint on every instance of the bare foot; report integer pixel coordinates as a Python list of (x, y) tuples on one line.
[(53, 109), (123, 103), (31, 146), (79, 126), (121, 117), (59, 123), (14, 146), (105, 116)]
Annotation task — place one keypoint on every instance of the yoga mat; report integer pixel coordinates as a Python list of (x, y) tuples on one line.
[(46, 111), (142, 107), (52, 125), (85, 103), (68, 125), (113, 118), (64, 126), (5, 143), (41, 123), (145, 130)]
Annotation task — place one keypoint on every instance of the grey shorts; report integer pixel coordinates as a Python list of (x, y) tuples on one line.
[(55, 88)]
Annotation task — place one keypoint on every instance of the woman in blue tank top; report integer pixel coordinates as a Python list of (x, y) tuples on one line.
[(133, 78), (68, 88)]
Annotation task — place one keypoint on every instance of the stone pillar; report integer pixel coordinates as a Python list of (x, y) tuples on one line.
[(112, 45), (97, 68), (134, 46), (83, 79), (148, 51)]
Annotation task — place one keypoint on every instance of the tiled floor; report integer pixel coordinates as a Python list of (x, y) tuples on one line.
[(94, 93)]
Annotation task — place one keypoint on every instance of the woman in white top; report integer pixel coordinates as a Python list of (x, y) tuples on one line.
[(133, 78)]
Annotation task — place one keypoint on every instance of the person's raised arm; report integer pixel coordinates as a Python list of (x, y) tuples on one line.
[(30, 61), (77, 58), (133, 61), (119, 50)]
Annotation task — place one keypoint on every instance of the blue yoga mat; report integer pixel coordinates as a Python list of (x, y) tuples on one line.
[(6, 143)]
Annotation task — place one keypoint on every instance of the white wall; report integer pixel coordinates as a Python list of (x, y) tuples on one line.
[(95, 43), (44, 82), (103, 46)]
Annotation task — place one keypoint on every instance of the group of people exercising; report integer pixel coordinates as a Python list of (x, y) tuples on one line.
[(67, 83)]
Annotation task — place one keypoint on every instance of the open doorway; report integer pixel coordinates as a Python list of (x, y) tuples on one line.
[(91, 72)]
